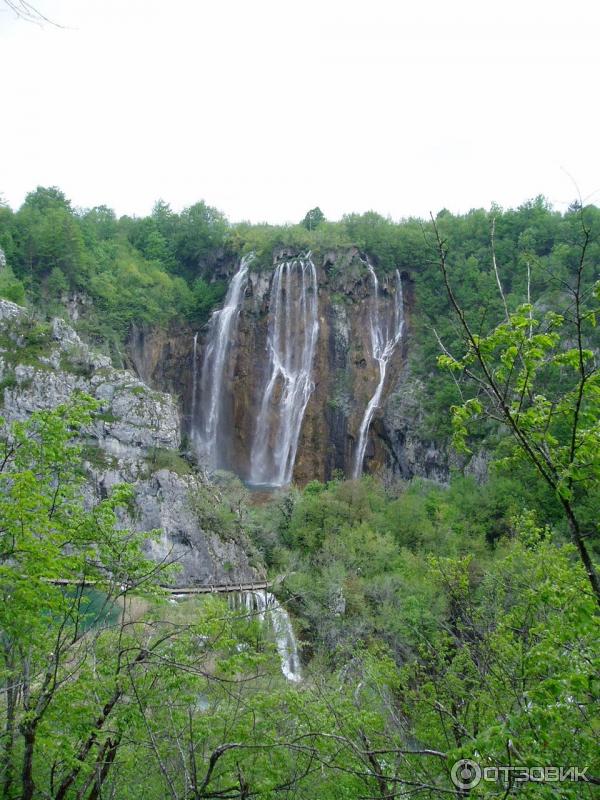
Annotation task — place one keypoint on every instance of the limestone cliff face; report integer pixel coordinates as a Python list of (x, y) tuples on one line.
[(345, 375), (345, 371), (135, 438), (161, 358), (408, 451)]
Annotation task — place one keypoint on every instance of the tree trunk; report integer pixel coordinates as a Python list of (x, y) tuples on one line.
[(28, 786), (109, 757), (7, 766), (582, 549)]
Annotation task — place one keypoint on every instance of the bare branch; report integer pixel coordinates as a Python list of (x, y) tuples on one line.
[(26, 11)]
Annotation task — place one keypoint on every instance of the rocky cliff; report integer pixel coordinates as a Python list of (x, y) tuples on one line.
[(344, 373), (135, 438)]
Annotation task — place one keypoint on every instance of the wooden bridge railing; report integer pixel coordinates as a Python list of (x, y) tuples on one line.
[(208, 589), (224, 587)]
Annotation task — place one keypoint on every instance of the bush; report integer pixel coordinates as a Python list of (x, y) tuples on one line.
[(162, 458), (11, 287)]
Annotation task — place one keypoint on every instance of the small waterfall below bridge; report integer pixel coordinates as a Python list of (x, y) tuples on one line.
[(293, 330), (386, 328), (269, 611), (206, 415)]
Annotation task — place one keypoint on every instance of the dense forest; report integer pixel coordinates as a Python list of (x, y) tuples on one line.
[(174, 266), (436, 622)]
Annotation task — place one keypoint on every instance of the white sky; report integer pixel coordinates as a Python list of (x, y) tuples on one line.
[(266, 108)]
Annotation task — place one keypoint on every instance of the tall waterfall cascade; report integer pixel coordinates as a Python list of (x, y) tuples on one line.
[(269, 611), (206, 420), (293, 329), (385, 332), (194, 408)]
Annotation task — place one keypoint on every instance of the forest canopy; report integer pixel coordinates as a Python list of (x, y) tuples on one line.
[(436, 623), (173, 267)]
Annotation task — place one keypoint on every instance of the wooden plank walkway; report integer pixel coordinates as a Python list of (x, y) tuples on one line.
[(223, 588)]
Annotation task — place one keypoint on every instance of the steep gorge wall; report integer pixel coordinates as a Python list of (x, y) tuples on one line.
[(344, 373), (134, 438)]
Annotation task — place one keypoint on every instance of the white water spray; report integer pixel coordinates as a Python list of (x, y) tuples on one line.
[(221, 332), (268, 610), (386, 331), (291, 340), (194, 410)]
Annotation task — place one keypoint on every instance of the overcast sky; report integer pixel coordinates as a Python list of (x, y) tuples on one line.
[(266, 108)]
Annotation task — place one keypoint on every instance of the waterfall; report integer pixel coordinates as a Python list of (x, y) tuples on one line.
[(385, 333), (291, 339), (194, 410), (206, 419), (266, 607)]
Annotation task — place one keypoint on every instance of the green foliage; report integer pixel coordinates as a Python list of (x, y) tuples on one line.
[(161, 458), (354, 553), (520, 640), (50, 236), (48, 535), (26, 342), (205, 296), (460, 628), (89, 672), (439, 622), (134, 290), (313, 219), (442, 622), (170, 265), (43, 199), (77, 364), (134, 270), (537, 376), (11, 288), (484, 649), (221, 507), (200, 231), (57, 283)]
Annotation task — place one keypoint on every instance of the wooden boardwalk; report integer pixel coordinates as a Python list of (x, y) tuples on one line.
[(228, 588), (223, 588)]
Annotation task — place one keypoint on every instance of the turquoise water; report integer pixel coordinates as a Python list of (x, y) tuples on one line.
[(94, 609)]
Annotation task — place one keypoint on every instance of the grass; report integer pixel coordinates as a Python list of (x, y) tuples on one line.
[(96, 456), (162, 458), (107, 416)]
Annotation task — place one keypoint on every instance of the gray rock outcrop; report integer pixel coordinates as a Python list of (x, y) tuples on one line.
[(134, 432), (412, 453)]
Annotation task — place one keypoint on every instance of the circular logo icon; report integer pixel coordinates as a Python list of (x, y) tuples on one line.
[(465, 774)]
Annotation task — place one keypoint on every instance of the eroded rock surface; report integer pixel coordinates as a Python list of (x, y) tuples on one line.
[(134, 432)]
